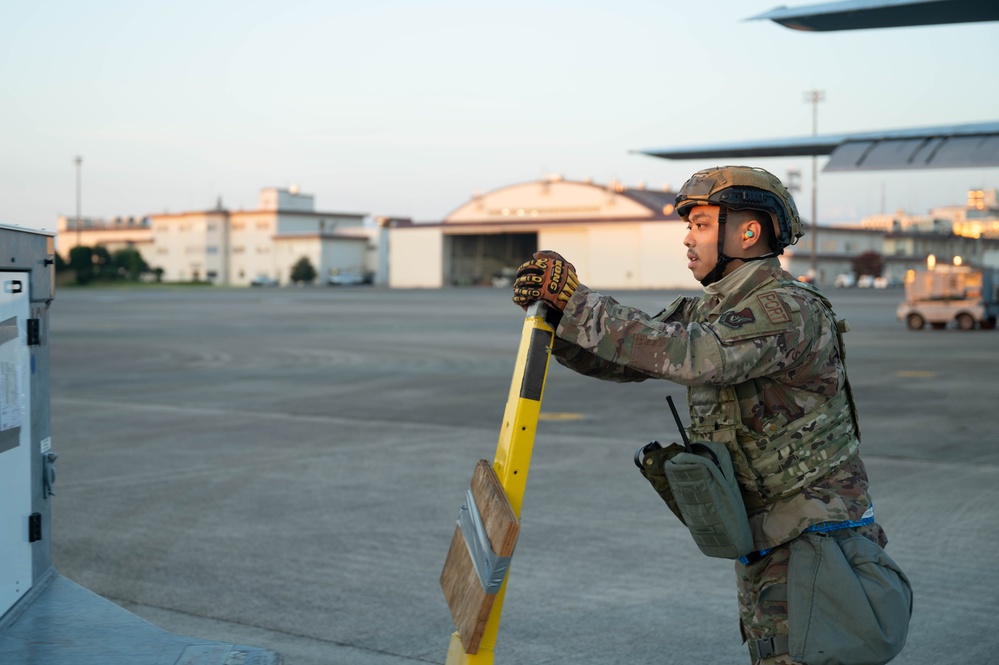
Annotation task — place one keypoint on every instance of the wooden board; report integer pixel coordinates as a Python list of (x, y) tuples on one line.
[(470, 604)]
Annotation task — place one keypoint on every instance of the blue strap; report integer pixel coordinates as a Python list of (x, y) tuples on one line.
[(821, 527)]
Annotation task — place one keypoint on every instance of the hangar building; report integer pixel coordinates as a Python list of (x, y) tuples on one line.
[(617, 237)]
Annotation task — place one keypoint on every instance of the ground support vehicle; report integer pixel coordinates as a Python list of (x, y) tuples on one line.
[(967, 296)]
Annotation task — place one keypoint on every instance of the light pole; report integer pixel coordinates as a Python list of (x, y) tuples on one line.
[(813, 97), (78, 161)]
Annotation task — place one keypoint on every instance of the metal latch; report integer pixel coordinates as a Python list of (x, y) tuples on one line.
[(34, 332), (48, 473), (34, 527)]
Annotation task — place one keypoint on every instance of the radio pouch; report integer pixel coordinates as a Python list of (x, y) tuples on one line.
[(703, 485), (651, 460)]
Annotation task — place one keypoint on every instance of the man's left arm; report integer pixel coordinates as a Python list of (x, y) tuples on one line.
[(670, 346)]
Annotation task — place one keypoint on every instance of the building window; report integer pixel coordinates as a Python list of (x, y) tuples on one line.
[(212, 249), (237, 226), (238, 249)]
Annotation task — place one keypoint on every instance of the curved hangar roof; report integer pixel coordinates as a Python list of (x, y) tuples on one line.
[(559, 201)]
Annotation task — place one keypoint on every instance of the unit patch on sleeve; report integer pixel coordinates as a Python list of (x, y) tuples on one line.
[(736, 320), (774, 308)]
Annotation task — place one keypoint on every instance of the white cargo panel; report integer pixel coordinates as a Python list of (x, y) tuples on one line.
[(15, 439)]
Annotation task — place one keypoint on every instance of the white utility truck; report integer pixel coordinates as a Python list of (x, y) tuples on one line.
[(967, 296)]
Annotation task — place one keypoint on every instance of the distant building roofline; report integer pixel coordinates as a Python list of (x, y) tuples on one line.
[(25, 229), (655, 200), (271, 213)]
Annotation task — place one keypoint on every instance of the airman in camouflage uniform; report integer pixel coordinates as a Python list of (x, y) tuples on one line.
[(762, 357)]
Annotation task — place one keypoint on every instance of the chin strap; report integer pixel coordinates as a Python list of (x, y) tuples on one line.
[(717, 271), (723, 260)]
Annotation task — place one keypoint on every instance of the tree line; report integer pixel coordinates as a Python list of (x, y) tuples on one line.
[(97, 264)]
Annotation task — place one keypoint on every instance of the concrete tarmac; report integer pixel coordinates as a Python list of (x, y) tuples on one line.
[(283, 468)]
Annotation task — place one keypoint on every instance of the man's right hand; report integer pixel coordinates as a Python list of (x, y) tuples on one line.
[(547, 277)]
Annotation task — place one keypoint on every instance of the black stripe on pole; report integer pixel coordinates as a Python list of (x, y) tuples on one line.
[(536, 365)]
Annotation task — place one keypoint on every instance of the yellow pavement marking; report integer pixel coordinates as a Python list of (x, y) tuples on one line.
[(560, 415)]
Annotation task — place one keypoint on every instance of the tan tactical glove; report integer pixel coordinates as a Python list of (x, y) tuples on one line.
[(547, 277)]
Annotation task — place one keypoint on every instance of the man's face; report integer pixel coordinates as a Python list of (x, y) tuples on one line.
[(701, 240)]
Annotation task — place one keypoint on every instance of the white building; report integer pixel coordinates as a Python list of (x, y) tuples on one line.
[(617, 237), (113, 234), (227, 247), (237, 247), (968, 233), (978, 218)]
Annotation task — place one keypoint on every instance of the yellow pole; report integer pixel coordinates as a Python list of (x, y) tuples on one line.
[(513, 453)]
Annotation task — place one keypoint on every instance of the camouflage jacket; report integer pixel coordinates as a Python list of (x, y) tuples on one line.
[(755, 341)]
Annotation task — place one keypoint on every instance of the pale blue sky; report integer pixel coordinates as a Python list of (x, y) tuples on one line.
[(406, 108)]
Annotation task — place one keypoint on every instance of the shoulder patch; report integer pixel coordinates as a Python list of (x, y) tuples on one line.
[(774, 308), (736, 320)]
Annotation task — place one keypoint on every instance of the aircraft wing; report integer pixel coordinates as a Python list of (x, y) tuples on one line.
[(950, 146), (862, 14)]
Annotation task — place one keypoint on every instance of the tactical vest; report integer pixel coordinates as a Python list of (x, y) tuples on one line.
[(785, 458)]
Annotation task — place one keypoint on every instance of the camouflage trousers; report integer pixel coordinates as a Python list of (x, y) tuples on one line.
[(763, 594)]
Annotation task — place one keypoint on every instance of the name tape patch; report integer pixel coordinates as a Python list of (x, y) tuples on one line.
[(774, 308)]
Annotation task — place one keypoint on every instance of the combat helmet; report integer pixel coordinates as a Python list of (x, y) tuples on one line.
[(742, 188)]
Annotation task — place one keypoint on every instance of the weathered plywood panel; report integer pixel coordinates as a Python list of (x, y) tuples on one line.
[(469, 603)]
